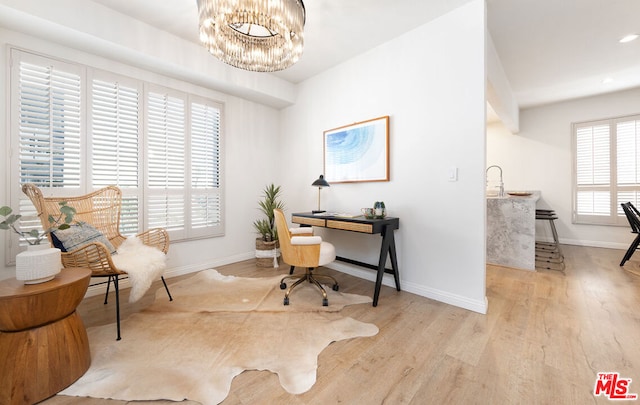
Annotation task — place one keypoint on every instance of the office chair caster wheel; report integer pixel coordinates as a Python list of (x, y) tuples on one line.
[(325, 302), (335, 287), (283, 286), (286, 300)]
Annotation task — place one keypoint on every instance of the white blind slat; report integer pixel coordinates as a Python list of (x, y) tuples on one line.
[(115, 140), (49, 131)]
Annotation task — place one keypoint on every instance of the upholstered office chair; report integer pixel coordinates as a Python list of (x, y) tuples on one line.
[(101, 210), (633, 216), (309, 252)]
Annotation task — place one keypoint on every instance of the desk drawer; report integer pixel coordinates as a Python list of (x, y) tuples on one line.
[(308, 221), (350, 226)]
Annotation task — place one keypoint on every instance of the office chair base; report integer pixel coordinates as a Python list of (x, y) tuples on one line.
[(311, 278)]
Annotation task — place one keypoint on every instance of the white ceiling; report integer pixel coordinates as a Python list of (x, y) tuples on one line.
[(560, 49), (551, 50)]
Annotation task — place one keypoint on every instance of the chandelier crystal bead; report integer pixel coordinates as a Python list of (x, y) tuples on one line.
[(256, 35)]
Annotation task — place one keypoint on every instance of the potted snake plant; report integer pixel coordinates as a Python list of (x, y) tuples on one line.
[(267, 253)]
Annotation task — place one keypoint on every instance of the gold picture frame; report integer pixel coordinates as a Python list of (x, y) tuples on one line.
[(357, 152)]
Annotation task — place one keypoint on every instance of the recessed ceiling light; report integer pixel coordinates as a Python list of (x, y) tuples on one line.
[(628, 38), (607, 80)]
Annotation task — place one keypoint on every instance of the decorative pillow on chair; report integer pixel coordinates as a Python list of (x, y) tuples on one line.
[(76, 236)]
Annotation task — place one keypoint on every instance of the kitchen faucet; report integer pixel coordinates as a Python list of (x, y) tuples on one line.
[(501, 193)]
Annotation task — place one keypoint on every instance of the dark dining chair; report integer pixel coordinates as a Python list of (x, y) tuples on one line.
[(633, 216)]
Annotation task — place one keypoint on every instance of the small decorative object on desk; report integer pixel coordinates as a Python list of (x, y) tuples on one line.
[(368, 213), (379, 209)]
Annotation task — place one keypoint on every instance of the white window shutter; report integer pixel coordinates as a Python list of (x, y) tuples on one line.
[(628, 164), (49, 126), (206, 199), (165, 149), (606, 169), (593, 170), (115, 140), (115, 144), (46, 122)]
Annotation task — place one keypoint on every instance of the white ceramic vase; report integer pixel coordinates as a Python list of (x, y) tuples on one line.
[(39, 263)]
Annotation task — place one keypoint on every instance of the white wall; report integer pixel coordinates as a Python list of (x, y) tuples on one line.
[(540, 158), (499, 93), (430, 82)]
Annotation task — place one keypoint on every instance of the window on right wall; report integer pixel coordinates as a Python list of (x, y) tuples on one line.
[(606, 169)]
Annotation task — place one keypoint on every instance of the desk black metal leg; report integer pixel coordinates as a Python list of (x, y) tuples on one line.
[(388, 247), (387, 237), (394, 260)]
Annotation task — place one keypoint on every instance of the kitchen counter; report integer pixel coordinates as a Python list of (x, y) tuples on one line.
[(511, 230)]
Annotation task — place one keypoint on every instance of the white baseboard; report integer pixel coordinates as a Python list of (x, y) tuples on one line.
[(479, 306), (432, 293), (594, 243)]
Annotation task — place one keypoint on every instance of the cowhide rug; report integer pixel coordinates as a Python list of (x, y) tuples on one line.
[(217, 327)]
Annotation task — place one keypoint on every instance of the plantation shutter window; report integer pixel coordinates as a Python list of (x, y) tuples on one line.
[(166, 139), (114, 135), (606, 169), (46, 122), (115, 143), (206, 201), (49, 105), (628, 159), (593, 170), (183, 190), (75, 129)]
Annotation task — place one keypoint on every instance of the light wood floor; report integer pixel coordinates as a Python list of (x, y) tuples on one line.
[(543, 340)]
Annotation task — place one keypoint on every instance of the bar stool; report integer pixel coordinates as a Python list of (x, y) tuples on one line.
[(548, 254)]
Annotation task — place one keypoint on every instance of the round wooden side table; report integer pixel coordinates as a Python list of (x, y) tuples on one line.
[(43, 342)]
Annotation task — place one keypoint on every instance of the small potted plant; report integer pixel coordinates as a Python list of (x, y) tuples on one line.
[(40, 262), (267, 253)]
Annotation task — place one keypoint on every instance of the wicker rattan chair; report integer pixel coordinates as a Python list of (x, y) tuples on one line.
[(101, 209)]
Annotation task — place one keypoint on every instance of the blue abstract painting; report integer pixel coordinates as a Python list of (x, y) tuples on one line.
[(358, 152)]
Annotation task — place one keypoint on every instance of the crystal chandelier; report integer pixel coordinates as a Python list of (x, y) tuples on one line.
[(257, 35)]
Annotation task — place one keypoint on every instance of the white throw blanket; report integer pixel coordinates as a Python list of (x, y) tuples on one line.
[(143, 265)]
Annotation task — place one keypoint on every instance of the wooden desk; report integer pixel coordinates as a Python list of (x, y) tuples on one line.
[(384, 227), (43, 343)]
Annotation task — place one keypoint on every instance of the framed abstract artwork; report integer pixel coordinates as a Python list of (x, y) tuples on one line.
[(357, 152)]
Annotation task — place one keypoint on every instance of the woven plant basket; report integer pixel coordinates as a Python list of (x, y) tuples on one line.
[(265, 253)]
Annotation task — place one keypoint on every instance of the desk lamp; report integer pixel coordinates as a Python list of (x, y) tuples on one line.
[(321, 182)]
